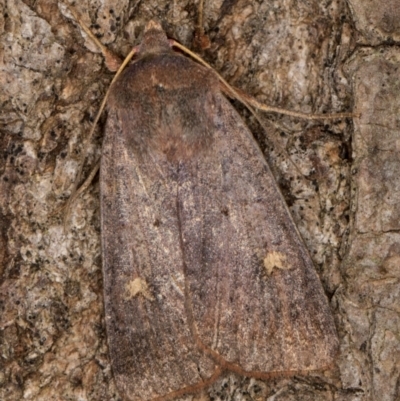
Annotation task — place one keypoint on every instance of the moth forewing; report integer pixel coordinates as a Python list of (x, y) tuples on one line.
[(203, 267)]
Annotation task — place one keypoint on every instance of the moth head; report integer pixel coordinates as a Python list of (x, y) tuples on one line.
[(154, 40)]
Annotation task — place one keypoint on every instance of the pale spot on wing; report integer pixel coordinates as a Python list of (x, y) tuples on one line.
[(275, 260), (137, 287)]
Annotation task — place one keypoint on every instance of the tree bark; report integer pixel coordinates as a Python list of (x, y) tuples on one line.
[(340, 179)]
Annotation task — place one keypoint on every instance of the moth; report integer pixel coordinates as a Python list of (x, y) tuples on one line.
[(204, 269)]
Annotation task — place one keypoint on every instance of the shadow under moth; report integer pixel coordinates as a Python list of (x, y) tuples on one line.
[(204, 269)]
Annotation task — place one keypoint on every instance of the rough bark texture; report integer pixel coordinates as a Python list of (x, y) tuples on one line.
[(340, 181)]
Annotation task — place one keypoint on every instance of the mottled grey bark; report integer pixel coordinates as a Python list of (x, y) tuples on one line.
[(341, 184)]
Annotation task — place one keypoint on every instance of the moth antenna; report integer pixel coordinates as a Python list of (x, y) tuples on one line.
[(270, 109), (88, 139), (250, 101), (112, 61)]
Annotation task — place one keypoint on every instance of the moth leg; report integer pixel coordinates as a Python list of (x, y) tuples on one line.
[(111, 60)]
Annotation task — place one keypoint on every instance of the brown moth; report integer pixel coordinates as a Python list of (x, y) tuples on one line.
[(204, 269)]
